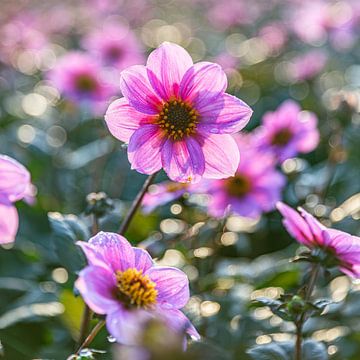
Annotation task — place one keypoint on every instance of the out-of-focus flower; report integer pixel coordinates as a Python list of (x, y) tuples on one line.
[(80, 79), (288, 131), (255, 188), (14, 186), (176, 115), (333, 247), (122, 283), (115, 46), (274, 36)]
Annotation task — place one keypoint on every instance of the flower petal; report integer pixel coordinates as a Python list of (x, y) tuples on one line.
[(109, 250), (143, 260), (135, 86), (166, 67), (144, 149), (172, 285), (222, 156), (96, 285), (183, 160), (9, 223), (202, 83), (122, 119), (225, 115)]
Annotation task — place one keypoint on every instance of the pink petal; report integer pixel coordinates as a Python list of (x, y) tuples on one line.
[(14, 179), (136, 88), (315, 226), (109, 250), (144, 149), (222, 156), (225, 115), (97, 285), (202, 83), (122, 119), (166, 67), (172, 285), (183, 160), (9, 223), (143, 260)]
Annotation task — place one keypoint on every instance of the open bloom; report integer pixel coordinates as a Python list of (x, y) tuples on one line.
[(255, 188), (337, 248), (14, 185), (176, 115), (288, 131), (122, 283)]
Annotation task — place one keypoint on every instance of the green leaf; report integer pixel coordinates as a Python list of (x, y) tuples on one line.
[(272, 351)]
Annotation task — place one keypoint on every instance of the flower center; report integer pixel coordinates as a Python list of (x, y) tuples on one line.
[(85, 83), (113, 53), (173, 187), (238, 186), (282, 137), (177, 119), (135, 288)]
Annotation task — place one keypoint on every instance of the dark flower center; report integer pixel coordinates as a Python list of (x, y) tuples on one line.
[(177, 119), (238, 186), (282, 137), (135, 289), (113, 53), (85, 83)]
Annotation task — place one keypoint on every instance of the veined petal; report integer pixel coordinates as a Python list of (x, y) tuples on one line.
[(222, 156), (122, 119), (9, 223), (143, 260), (202, 83), (172, 285), (144, 149), (166, 67), (225, 115), (135, 86), (183, 160)]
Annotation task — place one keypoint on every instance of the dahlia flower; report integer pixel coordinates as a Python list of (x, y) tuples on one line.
[(176, 115), (122, 283)]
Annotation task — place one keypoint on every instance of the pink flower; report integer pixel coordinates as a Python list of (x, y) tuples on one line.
[(122, 283), (288, 131), (255, 188), (176, 115), (80, 79), (115, 45), (14, 185), (334, 247)]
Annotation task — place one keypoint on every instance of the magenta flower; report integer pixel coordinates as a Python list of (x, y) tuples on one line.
[(332, 247), (255, 188), (288, 131), (14, 185), (80, 79), (122, 283), (175, 115)]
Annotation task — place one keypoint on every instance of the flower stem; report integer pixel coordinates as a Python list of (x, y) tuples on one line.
[(135, 205), (300, 323), (91, 336)]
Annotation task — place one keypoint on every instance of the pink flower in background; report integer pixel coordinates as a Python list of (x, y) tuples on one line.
[(114, 45), (14, 186), (255, 188), (80, 79), (288, 131), (338, 248), (176, 115), (274, 35), (122, 283)]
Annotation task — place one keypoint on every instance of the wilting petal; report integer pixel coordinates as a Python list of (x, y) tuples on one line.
[(122, 119), (143, 260), (109, 250), (183, 160), (225, 115), (9, 223), (166, 67), (97, 285), (136, 88), (222, 156), (144, 149), (172, 285), (202, 83), (14, 179)]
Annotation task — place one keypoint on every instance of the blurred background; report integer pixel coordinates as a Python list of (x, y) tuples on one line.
[(272, 50)]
